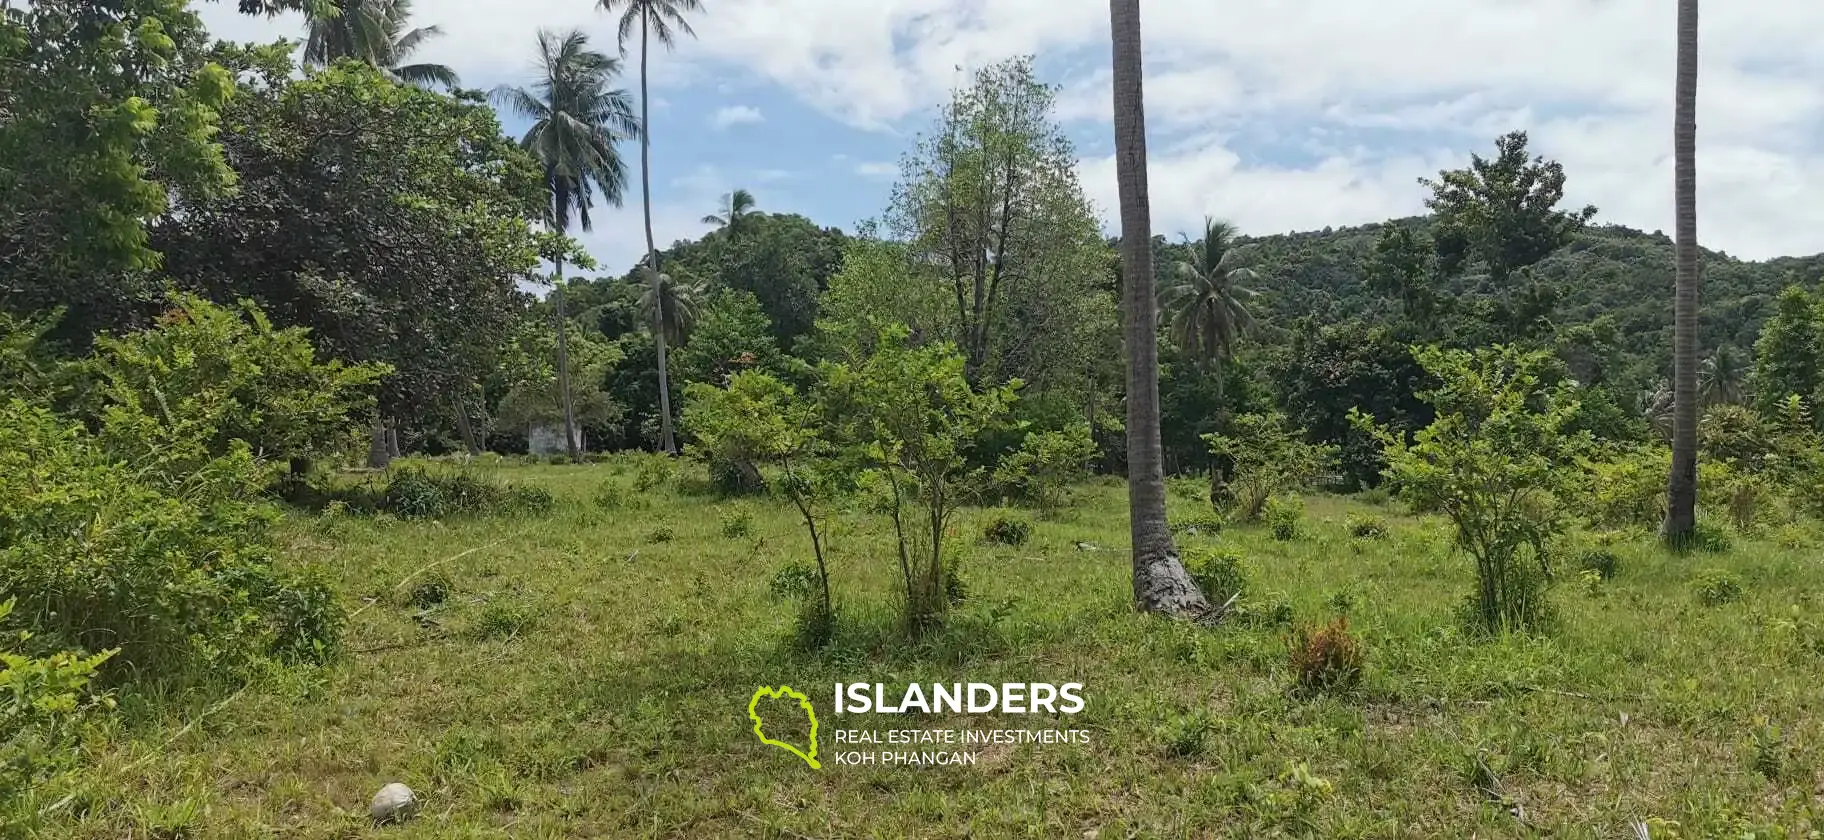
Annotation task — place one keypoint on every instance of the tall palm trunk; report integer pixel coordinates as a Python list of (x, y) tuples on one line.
[(1160, 581), (563, 367), (1681, 489), (666, 443)]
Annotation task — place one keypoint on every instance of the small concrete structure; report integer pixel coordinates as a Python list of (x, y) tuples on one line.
[(549, 440)]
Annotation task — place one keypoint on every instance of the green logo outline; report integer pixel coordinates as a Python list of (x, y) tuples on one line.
[(809, 711)]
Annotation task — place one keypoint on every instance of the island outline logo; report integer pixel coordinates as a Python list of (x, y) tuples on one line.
[(785, 691)]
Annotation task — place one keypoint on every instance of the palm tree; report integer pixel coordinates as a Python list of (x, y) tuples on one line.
[(736, 206), (578, 118), (1160, 582), (668, 305), (1721, 378), (1205, 302), (373, 31), (1681, 485), (658, 20)]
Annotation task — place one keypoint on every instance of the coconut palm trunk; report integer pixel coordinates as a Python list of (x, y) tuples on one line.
[(666, 441), (1681, 489), (571, 444), (1160, 581)]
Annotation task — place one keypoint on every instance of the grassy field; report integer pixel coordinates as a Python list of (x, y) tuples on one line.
[(589, 671)]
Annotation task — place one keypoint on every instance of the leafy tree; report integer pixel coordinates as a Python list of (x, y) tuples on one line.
[(731, 335), (1046, 462), (909, 413), (535, 396), (1325, 373), (109, 121), (391, 221), (1494, 462), (1263, 456), (1789, 356), (578, 121), (736, 207), (1501, 212), (1681, 494), (662, 21), (758, 419), (228, 379), (1204, 300), (373, 31), (785, 261), (1403, 264), (989, 201), (1160, 581)]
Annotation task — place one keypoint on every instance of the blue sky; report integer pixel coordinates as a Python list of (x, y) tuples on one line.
[(1278, 114)]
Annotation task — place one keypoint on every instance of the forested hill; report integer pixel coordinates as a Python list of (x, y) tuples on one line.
[(1610, 270)]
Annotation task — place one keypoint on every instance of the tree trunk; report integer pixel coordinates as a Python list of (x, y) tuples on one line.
[(666, 442), (378, 456), (1160, 581), (1681, 488), (563, 367), (464, 427), (392, 437)]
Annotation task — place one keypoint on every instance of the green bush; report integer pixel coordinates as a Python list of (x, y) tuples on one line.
[(661, 534), (654, 471), (1199, 526), (1715, 587), (1602, 561), (1628, 490), (414, 491), (1007, 530), (737, 521), (1041, 469), (1265, 456), (1285, 517), (174, 569), (43, 702), (611, 494), (1218, 572), (1184, 736), (1366, 527), (794, 580)]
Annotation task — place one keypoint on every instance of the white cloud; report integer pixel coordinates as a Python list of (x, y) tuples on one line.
[(876, 169), (734, 115), (1365, 97)]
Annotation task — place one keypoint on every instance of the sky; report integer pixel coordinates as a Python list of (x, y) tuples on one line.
[(1278, 115)]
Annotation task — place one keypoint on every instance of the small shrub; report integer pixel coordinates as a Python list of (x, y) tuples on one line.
[(1794, 537), (1716, 587), (661, 534), (1377, 496), (43, 702), (1769, 756), (1184, 736), (1708, 538), (737, 521), (1327, 659), (1199, 526), (1265, 457), (1366, 527), (1218, 572), (956, 587), (1285, 517), (611, 494), (1268, 612), (1628, 491), (503, 619), (794, 580), (557, 459), (530, 499), (1007, 530), (1602, 561), (430, 592), (655, 471), (814, 626), (1592, 582), (1041, 469), (414, 491)]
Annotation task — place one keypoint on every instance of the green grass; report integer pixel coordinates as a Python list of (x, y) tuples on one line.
[(584, 679)]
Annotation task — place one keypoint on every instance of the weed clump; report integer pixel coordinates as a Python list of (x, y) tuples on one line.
[(1715, 587), (413, 492), (737, 522), (1007, 530), (1366, 527), (661, 534), (1285, 517), (1327, 659), (794, 580), (1184, 736), (1602, 562), (1218, 572), (611, 494), (1199, 526)]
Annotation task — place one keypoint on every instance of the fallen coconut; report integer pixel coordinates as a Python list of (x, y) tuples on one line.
[(394, 803)]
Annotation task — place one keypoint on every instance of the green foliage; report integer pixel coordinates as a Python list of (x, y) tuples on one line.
[(1366, 527), (737, 521), (43, 703), (1262, 457), (167, 559), (1327, 659), (1501, 212), (655, 470), (503, 618), (907, 413), (1789, 355), (1218, 572), (1628, 489), (1203, 525), (1184, 736), (1042, 469), (413, 491), (109, 114), (661, 534), (1715, 587), (1007, 530), (216, 378), (731, 335), (1285, 516), (1493, 463), (1602, 561), (794, 580)]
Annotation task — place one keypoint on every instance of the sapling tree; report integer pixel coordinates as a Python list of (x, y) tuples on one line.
[(1496, 461), (1264, 455), (757, 419), (908, 413), (1045, 464)]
